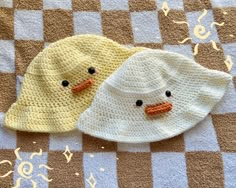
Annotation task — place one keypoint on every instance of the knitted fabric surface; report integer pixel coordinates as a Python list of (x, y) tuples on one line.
[(61, 81), (154, 95)]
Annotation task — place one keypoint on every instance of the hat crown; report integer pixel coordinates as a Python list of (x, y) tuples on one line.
[(140, 74)]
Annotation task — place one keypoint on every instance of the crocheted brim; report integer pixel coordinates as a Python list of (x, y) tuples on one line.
[(44, 104), (195, 90)]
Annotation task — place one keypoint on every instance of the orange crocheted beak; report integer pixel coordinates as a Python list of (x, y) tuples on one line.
[(158, 108), (82, 86)]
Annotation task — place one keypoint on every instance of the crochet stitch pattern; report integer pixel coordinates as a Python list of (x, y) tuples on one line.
[(59, 83), (153, 96)]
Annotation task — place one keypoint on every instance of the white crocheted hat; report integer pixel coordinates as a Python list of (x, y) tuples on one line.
[(154, 95)]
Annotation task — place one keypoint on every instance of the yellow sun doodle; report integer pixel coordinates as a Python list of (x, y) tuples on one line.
[(26, 168), (200, 32)]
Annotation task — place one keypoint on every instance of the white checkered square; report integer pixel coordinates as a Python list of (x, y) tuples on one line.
[(57, 4), (87, 23), (7, 137), (182, 49), (7, 56), (73, 139), (145, 27), (114, 5), (169, 170), (28, 25), (6, 3), (202, 137)]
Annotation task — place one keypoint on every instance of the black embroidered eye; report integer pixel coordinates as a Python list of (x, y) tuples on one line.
[(91, 70), (139, 103), (168, 93), (65, 83)]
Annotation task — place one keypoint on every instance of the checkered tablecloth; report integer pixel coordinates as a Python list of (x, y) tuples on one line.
[(205, 156)]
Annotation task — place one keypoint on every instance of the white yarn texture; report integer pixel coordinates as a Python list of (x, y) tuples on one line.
[(147, 75)]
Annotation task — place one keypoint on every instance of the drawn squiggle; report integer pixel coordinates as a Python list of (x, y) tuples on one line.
[(202, 15), (7, 174), (216, 23), (6, 161), (183, 41), (196, 49), (181, 22), (214, 45), (17, 183), (17, 154), (36, 153), (45, 178), (45, 166)]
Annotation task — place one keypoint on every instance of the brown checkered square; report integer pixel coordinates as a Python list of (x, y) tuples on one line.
[(150, 45), (196, 5), (93, 144), (6, 23), (175, 144), (58, 24), (140, 5), (7, 182), (170, 31), (117, 26), (32, 142), (226, 131), (63, 173), (134, 170), (25, 52), (204, 169), (227, 32), (28, 4), (7, 90), (86, 5), (210, 58)]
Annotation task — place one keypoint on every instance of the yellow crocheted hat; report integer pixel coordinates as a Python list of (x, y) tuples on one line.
[(61, 82)]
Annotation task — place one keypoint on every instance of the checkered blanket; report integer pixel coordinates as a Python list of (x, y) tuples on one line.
[(205, 156)]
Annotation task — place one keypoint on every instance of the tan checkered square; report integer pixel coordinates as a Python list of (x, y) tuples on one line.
[(204, 169), (215, 59), (140, 5), (7, 182), (196, 5), (226, 131), (175, 144), (227, 32), (86, 5), (28, 4), (63, 173), (92, 144), (32, 142), (171, 32), (58, 24), (117, 26), (134, 170), (25, 52), (7, 91), (6, 23)]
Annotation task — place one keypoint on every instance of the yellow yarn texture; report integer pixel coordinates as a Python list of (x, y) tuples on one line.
[(45, 105)]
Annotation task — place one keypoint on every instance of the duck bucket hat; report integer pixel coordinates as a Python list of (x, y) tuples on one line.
[(61, 82), (153, 96)]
